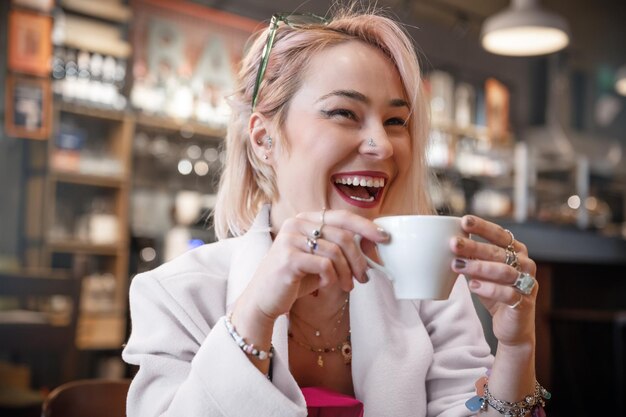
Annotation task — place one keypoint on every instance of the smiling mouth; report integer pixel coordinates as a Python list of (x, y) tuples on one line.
[(360, 188)]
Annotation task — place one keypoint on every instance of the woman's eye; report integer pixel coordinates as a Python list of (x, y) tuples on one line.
[(396, 121), (344, 113)]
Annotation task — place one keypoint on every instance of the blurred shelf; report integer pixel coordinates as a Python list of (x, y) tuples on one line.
[(173, 125), (83, 109), (77, 246), (87, 179), (108, 10), (472, 131)]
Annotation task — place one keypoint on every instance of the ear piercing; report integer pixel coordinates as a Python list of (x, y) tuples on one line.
[(269, 146), (371, 143)]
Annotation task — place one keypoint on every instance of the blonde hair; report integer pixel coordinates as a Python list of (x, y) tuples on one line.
[(247, 182)]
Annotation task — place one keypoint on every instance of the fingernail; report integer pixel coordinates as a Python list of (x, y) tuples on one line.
[(459, 242), (474, 284), (459, 263), (384, 233), (470, 221), (366, 276)]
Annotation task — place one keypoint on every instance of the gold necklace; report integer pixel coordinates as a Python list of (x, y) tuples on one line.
[(344, 348), (316, 331)]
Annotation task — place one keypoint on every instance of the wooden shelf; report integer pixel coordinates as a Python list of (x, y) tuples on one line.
[(108, 10), (173, 125), (472, 131), (91, 111), (76, 246), (87, 179)]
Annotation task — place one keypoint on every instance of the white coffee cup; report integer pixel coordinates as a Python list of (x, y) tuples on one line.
[(418, 258)]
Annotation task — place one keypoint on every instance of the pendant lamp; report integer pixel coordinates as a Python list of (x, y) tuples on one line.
[(620, 80), (524, 29)]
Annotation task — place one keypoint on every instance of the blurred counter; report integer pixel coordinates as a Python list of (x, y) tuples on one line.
[(565, 244)]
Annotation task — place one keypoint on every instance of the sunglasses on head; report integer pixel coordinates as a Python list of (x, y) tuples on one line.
[(296, 21)]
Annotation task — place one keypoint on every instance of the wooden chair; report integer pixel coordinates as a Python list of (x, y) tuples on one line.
[(89, 397)]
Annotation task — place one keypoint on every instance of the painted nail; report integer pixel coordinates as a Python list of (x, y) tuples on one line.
[(459, 263), (384, 233), (459, 242), (470, 221), (366, 276)]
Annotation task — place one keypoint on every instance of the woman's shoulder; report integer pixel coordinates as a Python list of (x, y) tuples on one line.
[(211, 259), (203, 270), (192, 284)]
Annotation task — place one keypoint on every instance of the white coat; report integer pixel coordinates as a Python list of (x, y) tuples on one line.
[(410, 358)]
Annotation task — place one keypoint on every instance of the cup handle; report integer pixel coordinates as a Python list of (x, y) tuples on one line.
[(371, 262)]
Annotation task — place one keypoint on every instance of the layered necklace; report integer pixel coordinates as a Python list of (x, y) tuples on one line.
[(344, 347)]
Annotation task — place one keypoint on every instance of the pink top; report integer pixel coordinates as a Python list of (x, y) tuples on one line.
[(322, 402)]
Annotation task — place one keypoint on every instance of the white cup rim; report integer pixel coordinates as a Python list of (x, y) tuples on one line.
[(414, 216)]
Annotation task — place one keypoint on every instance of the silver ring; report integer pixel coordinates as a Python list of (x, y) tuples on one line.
[(511, 258), (516, 304), (510, 245), (311, 242), (524, 283), (319, 229), (316, 233)]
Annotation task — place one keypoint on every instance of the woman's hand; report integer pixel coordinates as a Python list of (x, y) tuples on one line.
[(492, 279), (297, 265)]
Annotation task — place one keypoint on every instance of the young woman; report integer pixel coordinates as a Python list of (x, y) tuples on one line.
[(282, 315)]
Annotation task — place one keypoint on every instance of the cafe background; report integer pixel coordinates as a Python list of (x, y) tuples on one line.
[(113, 116)]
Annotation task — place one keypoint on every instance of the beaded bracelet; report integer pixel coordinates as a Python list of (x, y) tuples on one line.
[(531, 403), (247, 348), (518, 408)]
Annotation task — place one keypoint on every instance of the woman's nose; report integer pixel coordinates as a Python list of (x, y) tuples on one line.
[(376, 144)]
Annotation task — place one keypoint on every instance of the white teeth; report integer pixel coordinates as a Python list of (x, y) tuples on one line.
[(361, 181), (368, 199)]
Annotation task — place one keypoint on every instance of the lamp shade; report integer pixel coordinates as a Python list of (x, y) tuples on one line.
[(620, 80), (524, 29)]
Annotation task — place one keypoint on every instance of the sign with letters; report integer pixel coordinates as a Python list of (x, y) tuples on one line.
[(186, 57)]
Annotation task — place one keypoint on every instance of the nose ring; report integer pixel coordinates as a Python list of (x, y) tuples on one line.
[(371, 143)]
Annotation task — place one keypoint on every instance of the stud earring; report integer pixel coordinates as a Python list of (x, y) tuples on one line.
[(269, 143), (371, 143), (258, 142)]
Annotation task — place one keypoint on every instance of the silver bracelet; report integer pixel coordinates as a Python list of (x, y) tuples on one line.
[(247, 348), (518, 408)]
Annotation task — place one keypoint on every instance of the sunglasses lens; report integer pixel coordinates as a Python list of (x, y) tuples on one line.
[(303, 21)]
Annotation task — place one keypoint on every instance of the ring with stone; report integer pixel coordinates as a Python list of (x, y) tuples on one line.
[(511, 258), (311, 242), (524, 283), (516, 304)]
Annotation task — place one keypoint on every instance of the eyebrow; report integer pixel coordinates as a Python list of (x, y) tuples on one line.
[(355, 95)]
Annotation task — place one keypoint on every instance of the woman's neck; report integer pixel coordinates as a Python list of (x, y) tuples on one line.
[(321, 306)]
